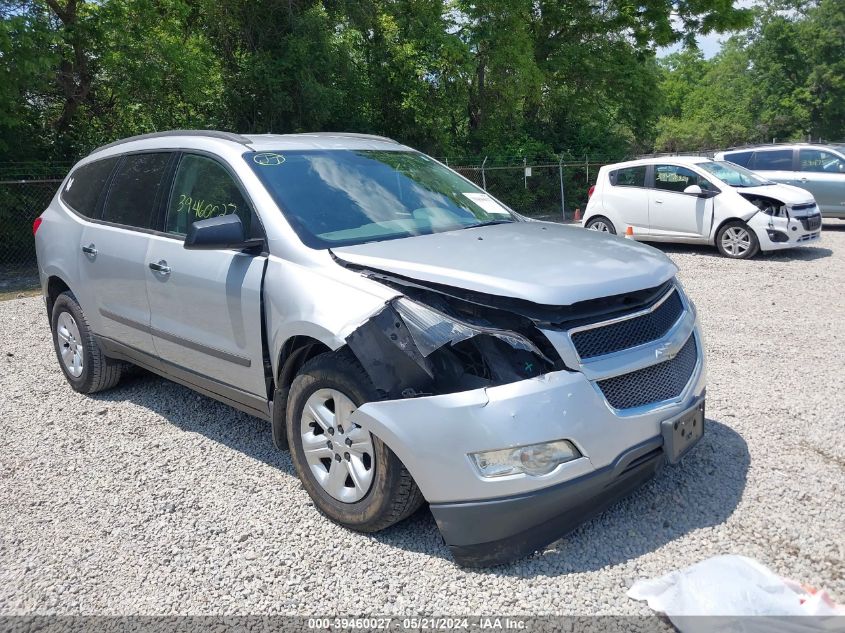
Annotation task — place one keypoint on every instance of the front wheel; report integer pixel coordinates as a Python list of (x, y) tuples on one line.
[(737, 241), (353, 477), (601, 224)]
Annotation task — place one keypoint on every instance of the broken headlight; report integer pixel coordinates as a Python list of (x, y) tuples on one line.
[(432, 329), (534, 459)]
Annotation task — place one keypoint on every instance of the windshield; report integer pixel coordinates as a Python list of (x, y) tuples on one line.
[(342, 197), (733, 174)]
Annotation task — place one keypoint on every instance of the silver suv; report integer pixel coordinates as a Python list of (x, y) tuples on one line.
[(408, 336), (820, 169)]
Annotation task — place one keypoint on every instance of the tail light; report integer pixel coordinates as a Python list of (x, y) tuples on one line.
[(590, 191), (35, 224)]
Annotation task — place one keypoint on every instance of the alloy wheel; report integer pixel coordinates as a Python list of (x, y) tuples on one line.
[(70, 344), (736, 241), (339, 453), (600, 226)]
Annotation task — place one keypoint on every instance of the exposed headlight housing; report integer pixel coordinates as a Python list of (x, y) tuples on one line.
[(432, 329), (533, 459)]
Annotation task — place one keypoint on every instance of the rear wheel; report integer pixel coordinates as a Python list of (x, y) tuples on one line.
[(737, 241), (601, 224), (85, 366), (353, 477)]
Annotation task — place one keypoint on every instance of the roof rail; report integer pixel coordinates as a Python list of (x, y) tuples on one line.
[(778, 144), (226, 136), (344, 134)]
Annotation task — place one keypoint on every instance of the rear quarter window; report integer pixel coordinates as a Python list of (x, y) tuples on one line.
[(739, 158), (82, 190)]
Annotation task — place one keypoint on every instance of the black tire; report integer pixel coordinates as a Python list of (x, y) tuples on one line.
[(753, 243), (392, 495), (603, 220), (98, 372)]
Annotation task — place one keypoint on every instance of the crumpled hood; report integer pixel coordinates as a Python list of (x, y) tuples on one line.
[(542, 262), (785, 193)]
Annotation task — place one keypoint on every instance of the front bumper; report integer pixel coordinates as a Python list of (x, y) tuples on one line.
[(780, 233), (496, 531)]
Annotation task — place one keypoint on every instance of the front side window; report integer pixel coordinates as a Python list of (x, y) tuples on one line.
[(203, 189), (134, 190), (733, 175), (82, 190), (676, 178), (820, 161), (629, 177), (343, 197), (773, 160)]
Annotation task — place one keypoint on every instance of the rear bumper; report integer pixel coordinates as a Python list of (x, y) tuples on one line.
[(496, 531)]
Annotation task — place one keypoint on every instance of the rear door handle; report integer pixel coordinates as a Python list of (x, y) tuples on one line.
[(804, 179), (89, 250), (160, 267), (659, 201)]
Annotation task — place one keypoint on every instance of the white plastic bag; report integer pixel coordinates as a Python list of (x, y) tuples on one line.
[(737, 586)]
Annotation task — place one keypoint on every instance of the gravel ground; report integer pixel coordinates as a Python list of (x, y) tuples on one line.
[(150, 499)]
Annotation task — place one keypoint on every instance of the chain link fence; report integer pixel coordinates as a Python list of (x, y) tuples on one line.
[(25, 191), (552, 189), (548, 190)]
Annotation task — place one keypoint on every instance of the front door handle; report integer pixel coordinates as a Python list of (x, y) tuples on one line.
[(804, 179), (89, 250), (659, 201), (160, 267)]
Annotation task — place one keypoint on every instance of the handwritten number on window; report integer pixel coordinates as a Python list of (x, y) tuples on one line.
[(203, 210)]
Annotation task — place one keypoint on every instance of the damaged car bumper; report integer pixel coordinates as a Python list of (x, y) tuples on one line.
[(491, 520), (799, 226)]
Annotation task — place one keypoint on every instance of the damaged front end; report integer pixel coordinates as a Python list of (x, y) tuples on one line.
[(439, 345), (784, 224)]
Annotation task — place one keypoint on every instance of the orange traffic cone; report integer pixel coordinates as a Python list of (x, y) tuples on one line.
[(629, 232), (577, 214)]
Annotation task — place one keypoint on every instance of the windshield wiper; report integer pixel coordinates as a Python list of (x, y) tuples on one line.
[(489, 223)]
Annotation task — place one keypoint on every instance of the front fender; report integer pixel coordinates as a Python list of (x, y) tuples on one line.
[(325, 303)]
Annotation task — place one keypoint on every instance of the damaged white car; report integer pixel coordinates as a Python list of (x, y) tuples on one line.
[(696, 200), (410, 338)]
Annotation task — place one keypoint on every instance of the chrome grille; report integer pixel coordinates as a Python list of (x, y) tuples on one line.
[(811, 222), (659, 382), (630, 332)]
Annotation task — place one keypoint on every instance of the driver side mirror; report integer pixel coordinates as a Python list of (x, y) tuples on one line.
[(224, 231)]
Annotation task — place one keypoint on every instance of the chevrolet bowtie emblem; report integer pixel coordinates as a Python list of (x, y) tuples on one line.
[(665, 352)]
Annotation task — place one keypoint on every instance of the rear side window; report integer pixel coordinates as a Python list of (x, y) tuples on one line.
[(204, 189), (739, 158), (820, 161), (773, 160), (628, 177), (83, 188), (134, 190)]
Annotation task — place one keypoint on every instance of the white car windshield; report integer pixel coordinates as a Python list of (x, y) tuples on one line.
[(342, 197), (734, 175)]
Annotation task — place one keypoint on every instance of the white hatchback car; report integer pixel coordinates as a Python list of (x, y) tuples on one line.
[(701, 201)]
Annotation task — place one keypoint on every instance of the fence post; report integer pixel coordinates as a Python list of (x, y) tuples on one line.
[(587, 163), (525, 172), (562, 204), (483, 175)]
